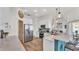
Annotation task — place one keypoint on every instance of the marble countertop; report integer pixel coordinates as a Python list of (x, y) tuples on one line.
[(62, 37)]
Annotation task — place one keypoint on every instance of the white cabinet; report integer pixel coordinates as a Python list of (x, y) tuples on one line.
[(48, 45)]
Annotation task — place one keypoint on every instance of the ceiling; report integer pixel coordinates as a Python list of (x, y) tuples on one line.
[(42, 11)]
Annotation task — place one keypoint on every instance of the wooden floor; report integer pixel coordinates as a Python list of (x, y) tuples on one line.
[(35, 45)]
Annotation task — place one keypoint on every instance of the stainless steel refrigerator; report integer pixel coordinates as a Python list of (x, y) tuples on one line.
[(28, 32)]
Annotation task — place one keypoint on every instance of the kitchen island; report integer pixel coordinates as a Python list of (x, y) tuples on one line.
[(50, 41)]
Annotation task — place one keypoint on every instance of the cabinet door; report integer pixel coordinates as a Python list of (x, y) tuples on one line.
[(48, 45), (56, 45), (59, 45)]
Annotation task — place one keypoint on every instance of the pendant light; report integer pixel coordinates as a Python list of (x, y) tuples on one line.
[(58, 10)]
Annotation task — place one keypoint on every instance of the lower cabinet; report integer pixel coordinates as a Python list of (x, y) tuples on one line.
[(59, 45), (48, 45), (54, 45)]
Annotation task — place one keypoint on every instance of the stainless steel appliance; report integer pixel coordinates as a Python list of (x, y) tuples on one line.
[(28, 32)]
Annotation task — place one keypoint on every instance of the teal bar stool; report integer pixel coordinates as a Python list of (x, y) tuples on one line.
[(59, 45)]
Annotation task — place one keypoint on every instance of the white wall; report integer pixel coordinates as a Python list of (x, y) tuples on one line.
[(47, 20), (14, 21), (28, 20), (70, 16), (73, 14), (9, 15), (35, 27)]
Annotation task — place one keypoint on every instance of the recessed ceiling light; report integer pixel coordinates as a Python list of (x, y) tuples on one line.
[(35, 10), (45, 10)]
